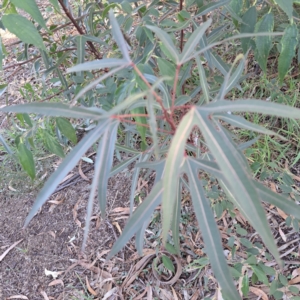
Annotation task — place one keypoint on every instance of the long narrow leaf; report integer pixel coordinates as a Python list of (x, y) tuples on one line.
[(252, 105), (172, 169), (65, 167), (240, 122), (118, 36), (141, 214), (54, 110), (98, 64), (203, 81), (105, 160), (194, 40), (168, 43), (240, 183), (211, 234)]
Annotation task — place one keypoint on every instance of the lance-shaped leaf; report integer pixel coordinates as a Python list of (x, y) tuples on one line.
[(23, 29), (210, 233), (141, 214), (7, 148), (203, 81), (241, 122), (118, 36), (31, 7), (232, 79), (26, 160), (240, 183), (97, 81), (248, 26), (288, 49), (167, 42), (98, 64), (103, 165), (173, 169), (65, 167), (264, 43), (193, 41), (55, 110), (252, 105), (286, 6), (121, 166), (210, 7), (176, 218), (288, 206), (105, 160)]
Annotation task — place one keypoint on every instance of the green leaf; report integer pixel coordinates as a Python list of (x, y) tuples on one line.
[(141, 129), (55, 110), (210, 233), (52, 144), (240, 122), (26, 160), (252, 105), (248, 26), (193, 41), (245, 286), (167, 42), (98, 64), (172, 170), (3, 88), (66, 166), (288, 49), (23, 29), (66, 129), (1, 53), (203, 80), (170, 248), (103, 163), (55, 4), (260, 274), (241, 186), (139, 216), (167, 69), (7, 148), (168, 263), (210, 7), (118, 36), (31, 7), (286, 6), (264, 43)]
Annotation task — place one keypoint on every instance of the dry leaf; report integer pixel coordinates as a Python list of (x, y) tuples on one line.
[(282, 214), (295, 280), (44, 295), (296, 272), (54, 274), (259, 292), (282, 235), (55, 282), (118, 227), (89, 287), (18, 297), (7, 250)]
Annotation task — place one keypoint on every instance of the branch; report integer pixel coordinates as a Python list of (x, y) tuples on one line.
[(79, 29)]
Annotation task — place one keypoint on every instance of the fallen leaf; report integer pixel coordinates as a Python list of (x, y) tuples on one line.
[(7, 250), (54, 274), (18, 297), (89, 287), (44, 295), (259, 292), (295, 280), (55, 282)]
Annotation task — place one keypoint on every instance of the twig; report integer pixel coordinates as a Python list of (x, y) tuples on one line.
[(79, 29)]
